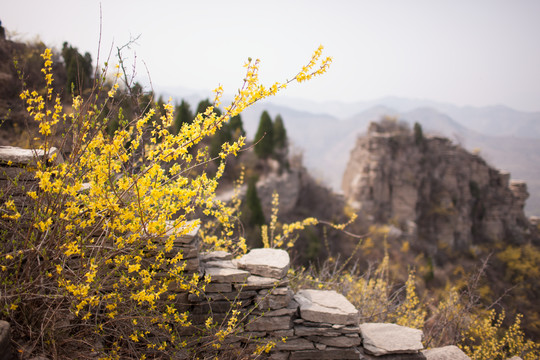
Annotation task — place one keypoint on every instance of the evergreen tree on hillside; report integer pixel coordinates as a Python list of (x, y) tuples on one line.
[(264, 138), (78, 69), (222, 135), (253, 215), (204, 104), (183, 116), (280, 134), (281, 148), (237, 127), (418, 134)]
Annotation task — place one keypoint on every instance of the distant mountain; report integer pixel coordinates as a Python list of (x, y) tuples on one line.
[(326, 141), (495, 120), (326, 132)]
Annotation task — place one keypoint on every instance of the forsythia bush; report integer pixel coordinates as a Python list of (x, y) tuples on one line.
[(485, 339), (85, 265)]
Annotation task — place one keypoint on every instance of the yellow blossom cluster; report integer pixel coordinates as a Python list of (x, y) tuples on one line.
[(111, 213), (308, 72), (483, 339)]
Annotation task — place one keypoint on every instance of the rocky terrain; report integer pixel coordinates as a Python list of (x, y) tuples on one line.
[(449, 195), (497, 133)]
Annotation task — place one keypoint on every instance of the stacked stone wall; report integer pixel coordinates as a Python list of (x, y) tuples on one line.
[(311, 324)]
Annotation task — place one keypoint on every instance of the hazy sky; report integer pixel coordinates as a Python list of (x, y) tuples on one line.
[(466, 52)]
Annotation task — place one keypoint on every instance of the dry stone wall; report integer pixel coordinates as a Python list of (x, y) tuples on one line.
[(311, 324)]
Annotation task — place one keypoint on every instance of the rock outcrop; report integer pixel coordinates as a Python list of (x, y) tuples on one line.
[(453, 197)]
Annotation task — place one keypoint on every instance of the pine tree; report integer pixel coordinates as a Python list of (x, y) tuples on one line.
[(418, 134), (264, 138), (253, 215), (280, 134), (254, 207), (204, 104), (78, 69), (237, 127), (183, 116)]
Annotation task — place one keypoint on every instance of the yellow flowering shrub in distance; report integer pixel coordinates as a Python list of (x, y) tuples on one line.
[(94, 242), (486, 339)]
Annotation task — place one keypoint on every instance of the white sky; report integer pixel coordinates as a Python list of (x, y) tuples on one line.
[(466, 52)]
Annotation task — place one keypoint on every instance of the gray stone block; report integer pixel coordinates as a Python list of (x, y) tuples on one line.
[(269, 323), (328, 353), (450, 352), (223, 275), (272, 263), (326, 306), (382, 339)]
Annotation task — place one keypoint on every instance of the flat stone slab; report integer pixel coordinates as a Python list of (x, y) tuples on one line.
[(259, 282), (19, 156), (290, 310), (224, 275), (382, 339), (315, 331), (275, 299), (326, 306), (450, 352), (342, 341), (366, 356), (228, 264), (271, 323), (328, 353), (215, 287), (272, 263), (215, 256), (295, 345)]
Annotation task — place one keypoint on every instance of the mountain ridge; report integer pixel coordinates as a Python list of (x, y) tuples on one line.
[(325, 132)]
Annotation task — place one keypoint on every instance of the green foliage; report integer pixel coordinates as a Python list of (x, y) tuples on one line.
[(236, 127), (253, 203), (418, 134), (205, 104), (264, 138), (183, 116), (252, 213), (78, 69), (280, 134)]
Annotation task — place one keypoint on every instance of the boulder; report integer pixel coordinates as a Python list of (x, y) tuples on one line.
[(326, 306), (382, 339)]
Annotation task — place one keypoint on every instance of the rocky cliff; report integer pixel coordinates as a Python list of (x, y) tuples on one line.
[(450, 196)]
